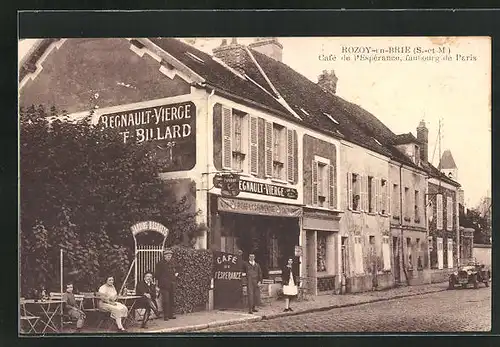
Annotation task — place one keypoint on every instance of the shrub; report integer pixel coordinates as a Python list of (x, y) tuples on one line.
[(193, 283)]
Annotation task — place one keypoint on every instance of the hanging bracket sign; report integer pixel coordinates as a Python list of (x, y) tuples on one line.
[(229, 184)]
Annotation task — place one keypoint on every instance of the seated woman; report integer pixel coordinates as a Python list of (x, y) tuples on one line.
[(108, 303)]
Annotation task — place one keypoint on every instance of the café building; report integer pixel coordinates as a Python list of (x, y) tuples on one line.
[(259, 141)]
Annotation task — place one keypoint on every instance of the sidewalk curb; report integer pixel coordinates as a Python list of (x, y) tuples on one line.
[(331, 307), (197, 327)]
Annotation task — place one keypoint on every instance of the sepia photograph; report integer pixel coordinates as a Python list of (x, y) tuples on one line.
[(254, 185)]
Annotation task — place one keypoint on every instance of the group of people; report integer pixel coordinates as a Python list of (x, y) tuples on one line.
[(166, 273), (253, 273)]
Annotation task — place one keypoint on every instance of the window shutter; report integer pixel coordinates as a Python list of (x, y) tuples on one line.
[(366, 194), (439, 210), (380, 196), (361, 203), (358, 254), (386, 253), (290, 158), (388, 193), (364, 180), (349, 191), (332, 199), (269, 149), (227, 132), (254, 145), (314, 179), (449, 213)]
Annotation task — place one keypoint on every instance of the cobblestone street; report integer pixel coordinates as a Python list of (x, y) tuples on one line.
[(448, 311)]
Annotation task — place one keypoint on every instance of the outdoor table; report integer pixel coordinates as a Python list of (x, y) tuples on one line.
[(129, 301), (47, 319), (25, 316)]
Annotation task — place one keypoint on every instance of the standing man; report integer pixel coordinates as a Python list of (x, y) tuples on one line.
[(254, 278), (166, 274), (147, 290)]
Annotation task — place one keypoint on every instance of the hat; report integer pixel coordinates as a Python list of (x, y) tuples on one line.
[(168, 251)]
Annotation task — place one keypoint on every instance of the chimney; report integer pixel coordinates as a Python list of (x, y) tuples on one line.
[(422, 136), (233, 54), (269, 46), (328, 81)]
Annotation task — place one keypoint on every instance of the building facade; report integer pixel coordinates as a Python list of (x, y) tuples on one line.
[(282, 166)]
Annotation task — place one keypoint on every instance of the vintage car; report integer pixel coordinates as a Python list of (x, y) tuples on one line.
[(471, 272)]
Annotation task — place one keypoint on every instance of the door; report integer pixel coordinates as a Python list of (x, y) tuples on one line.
[(395, 254), (440, 252), (344, 257), (311, 260), (450, 254)]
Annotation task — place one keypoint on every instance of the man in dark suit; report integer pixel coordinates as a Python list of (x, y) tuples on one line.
[(147, 289), (166, 274), (254, 278)]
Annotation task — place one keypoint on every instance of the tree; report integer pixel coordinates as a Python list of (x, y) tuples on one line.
[(81, 188), (472, 218)]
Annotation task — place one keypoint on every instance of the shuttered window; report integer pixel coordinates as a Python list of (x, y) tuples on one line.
[(268, 134), (254, 144), (439, 243), (332, 197), (383, 197), (439, 211), (358, 255), (450, 254), (290, 151), (227, 132), (314, 179), (371, 194), (386, 253), (449, 213), (364, 198), (349, 191)]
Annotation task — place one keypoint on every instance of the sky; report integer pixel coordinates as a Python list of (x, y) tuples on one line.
[(402, 93)]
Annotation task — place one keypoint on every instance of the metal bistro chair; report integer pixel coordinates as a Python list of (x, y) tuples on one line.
[(91, 309), (28, 318), (66, 319)]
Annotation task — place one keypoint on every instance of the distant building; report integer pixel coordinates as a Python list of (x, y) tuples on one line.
[(447, 165)]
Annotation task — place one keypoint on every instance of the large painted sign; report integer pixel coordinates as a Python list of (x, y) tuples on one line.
[(169, 130)]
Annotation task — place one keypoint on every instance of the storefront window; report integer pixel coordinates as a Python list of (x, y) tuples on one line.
[(321, 252)]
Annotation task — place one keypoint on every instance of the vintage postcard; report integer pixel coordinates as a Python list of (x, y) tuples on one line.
[(256, 184)]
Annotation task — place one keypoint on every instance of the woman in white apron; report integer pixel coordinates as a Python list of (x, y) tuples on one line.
[(289, 283)]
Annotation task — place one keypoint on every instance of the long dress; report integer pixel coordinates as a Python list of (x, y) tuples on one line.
[(117, 311)]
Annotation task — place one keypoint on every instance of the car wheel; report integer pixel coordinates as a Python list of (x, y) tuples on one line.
[(487, 283), (464, 286), (451, 284), (475, 282)]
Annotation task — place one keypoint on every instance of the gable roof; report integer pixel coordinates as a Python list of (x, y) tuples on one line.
[(318, 109), (358, 125), (447, 161), (437, 174)]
